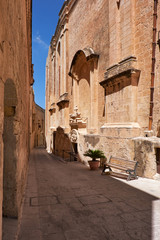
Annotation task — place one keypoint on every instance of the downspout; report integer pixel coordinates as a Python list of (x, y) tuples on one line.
[(153, 65)]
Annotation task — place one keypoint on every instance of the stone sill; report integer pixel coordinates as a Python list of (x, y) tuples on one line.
[(92, 135), (121, 125), (120, 130), (52, 107)]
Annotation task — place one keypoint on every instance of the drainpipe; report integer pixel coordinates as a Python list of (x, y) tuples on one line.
[(153, 64)]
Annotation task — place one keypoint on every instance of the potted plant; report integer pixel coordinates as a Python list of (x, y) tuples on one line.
[(94, 154)]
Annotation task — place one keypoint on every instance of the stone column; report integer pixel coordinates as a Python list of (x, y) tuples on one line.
[(112, 32), (94, 96), (65, 57), (57, 72), (75, 91), (62, 64), (53, 79), (118, 34), (134, 86), (133, 3)]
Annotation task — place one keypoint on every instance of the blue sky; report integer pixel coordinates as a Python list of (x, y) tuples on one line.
[(44, 21)]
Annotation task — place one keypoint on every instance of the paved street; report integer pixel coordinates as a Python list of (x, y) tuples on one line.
[(67, 201)]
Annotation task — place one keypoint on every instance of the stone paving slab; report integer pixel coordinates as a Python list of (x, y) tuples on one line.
[(67, 201), (10, 226)]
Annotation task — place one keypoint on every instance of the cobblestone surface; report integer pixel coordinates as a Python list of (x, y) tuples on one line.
[(67, 201)]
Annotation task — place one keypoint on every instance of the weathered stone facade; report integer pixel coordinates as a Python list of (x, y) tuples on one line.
[(98, 80), (32, 119), (37, 124), (39, 127), (15, 88)]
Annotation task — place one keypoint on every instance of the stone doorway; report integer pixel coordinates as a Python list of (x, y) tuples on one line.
[(158, 159), (75, 148), (54, 142), (75, 151)]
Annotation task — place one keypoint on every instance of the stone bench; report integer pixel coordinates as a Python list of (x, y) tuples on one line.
[(127, 168)]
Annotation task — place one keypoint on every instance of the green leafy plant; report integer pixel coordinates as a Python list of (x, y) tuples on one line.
[(94, 154)]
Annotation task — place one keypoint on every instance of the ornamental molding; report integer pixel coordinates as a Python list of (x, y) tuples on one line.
[(123, 74)]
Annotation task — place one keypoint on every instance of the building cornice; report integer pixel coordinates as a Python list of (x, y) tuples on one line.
[(63, 20)]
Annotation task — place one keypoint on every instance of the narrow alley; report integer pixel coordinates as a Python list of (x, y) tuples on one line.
[(66, 201), (81, 78)]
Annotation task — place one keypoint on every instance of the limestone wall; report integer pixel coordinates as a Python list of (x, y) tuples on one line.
[(145, 154), (15, 80), (143, 52), (108, 145), (89, 27), (106, 47), (156, 116)]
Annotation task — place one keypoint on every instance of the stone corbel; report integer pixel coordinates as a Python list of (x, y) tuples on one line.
[(63, 100), (52, 108)]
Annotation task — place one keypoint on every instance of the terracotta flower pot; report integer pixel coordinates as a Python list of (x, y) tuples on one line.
[(94, 165)]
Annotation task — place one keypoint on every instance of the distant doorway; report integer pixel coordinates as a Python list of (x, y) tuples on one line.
[(75, 150), (75, 147), (54, 142)]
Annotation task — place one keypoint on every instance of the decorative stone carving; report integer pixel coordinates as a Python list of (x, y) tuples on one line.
[(52, 108), (75, 116), (77, 120), (74, 136)]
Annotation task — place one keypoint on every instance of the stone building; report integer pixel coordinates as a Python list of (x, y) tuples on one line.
[(16, 78), (37, 124), (102, 81), (39, 127)]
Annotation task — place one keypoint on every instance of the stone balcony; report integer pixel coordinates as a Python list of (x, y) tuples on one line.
[(125, 69)]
